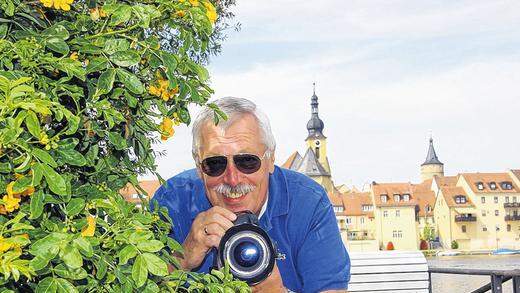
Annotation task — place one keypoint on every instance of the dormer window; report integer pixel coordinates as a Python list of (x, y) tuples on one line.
[(384, 197), (492, 185), (366, 208), (338, 209), (406, 197), (397, 197), (460, 199), (507, 185), (480, 185), (429, 208)]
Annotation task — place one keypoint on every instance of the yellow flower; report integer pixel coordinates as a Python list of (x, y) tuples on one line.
[(90, 228), (74, 56), (58, 4), (94, 13), (211, 12), (162, 90), (167, 128), (10, 204), (194, 2), (102, 13), (4, 246), (180, 13), (176, 119)]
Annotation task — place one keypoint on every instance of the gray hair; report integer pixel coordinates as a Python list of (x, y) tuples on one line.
[(233, 107)]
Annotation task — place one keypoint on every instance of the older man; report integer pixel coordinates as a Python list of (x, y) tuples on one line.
[(236, 172)]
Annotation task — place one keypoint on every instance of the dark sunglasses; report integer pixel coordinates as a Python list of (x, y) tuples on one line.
[(245, 163)]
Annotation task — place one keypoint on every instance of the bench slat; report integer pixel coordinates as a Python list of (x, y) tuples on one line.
[(387, 261), (389, 269), (395, 291), (360, 287), (370, 278), (385, 254)]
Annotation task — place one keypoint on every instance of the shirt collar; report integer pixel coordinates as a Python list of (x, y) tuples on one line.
[(278, 199)]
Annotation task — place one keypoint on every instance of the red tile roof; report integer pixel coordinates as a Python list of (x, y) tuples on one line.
[(450, 192), (390, 189), (486, 178)]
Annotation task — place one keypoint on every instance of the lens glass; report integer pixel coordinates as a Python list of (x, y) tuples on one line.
[(247, 163), (214, 166), (247, 254)]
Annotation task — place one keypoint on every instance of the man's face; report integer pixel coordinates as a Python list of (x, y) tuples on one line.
[(242, 137)]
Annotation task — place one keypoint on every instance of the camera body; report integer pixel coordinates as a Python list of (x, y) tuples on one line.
[(247, 249)]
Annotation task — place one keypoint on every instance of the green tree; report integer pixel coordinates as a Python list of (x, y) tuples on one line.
[(85, 89)]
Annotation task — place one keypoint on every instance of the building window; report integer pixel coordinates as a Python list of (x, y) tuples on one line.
[(506, 200), (385, 214), (514, 198), (483, 213), (492, 185), (338, 209), (348, 220), (483, 200), (480, 186), (406, 197), (496, 212), (384, 198), (135, 196), (397, 234), (366, 207), (463, 227), (495, 199), (362, 220), (429, 208), (508, 227), (507, 185), (397, 197), (397, 213), (461, 199), (484, 228)]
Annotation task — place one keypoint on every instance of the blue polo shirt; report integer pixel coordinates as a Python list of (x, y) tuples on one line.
[(299, 218)]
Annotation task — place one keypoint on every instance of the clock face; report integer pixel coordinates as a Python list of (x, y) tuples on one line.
[(317, 143)]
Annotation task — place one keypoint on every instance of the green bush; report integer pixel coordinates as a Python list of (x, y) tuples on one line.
[(454, 244), (85, 89)]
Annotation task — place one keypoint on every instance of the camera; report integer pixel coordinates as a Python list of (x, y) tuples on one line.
[(247, 249)]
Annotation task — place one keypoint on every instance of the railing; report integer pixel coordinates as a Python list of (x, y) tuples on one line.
[(497, 277), (465, 218), (512, 205), (512, 218)]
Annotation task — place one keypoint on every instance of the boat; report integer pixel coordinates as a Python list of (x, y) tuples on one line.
[(505, 251), (448, 253)]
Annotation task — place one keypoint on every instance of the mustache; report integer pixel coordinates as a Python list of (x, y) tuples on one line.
[(241, 188)]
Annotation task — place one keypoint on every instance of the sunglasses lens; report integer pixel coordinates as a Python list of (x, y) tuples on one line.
[(247, 164), (214, 166)]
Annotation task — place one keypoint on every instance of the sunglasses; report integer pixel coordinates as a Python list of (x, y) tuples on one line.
[(245, 163)]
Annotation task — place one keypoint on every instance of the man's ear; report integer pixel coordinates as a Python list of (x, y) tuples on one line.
[(271, 164)]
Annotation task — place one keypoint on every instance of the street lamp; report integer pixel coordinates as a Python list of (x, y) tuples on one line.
[(497, 228)]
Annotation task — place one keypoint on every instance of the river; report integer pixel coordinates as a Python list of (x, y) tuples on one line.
[(451, 283)]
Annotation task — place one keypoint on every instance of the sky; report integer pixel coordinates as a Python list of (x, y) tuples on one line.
[(388, 75)]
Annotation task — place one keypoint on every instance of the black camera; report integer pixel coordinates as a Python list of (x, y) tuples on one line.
[(247, 249)]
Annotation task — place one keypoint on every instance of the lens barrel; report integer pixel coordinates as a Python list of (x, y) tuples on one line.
[(247, 249)]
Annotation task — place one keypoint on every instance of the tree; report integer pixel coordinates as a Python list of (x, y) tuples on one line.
[(85, 89)]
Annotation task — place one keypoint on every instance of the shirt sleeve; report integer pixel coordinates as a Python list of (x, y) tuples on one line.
[(322, 260)]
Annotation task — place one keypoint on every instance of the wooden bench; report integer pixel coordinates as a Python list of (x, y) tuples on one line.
[(389, 271)]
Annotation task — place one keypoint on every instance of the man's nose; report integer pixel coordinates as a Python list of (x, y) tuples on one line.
[(231, 176)]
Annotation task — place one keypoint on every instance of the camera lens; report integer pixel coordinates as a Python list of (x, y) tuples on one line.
[(247, 254)]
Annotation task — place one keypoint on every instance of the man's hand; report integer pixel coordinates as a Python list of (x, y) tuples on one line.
[(273, 283), (206, 231)]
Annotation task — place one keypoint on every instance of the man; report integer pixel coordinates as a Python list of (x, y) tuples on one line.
[(236, 172)]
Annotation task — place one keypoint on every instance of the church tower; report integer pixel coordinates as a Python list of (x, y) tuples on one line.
[(431, 166), (315, 140)]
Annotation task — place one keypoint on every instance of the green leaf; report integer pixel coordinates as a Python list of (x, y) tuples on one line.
[(58, 45), (72, 157), (154, 264), (126, 253), (56, 183), (97, 64), (68, 143), (47, 285), (3, 31), (105, 82), (119, 13), (131, 82), (139, 271), (22, 184), (114, 45), (73, 124), (84, 246), (37, 171), (33, 125), (150, 246), (101, 266), (72, 257), (36, 206), (117, 140), (125, 58), (57, 30), (5, 168), (68, 273), (65, 286), (170, 62), (44, 157), (75, 206)]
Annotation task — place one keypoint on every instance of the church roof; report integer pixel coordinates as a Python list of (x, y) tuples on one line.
[(310, 165), (315, 125), (431, 157), (293, 160)]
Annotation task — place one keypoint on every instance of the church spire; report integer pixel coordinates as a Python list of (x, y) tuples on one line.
[(315, 125), (431, 157)]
